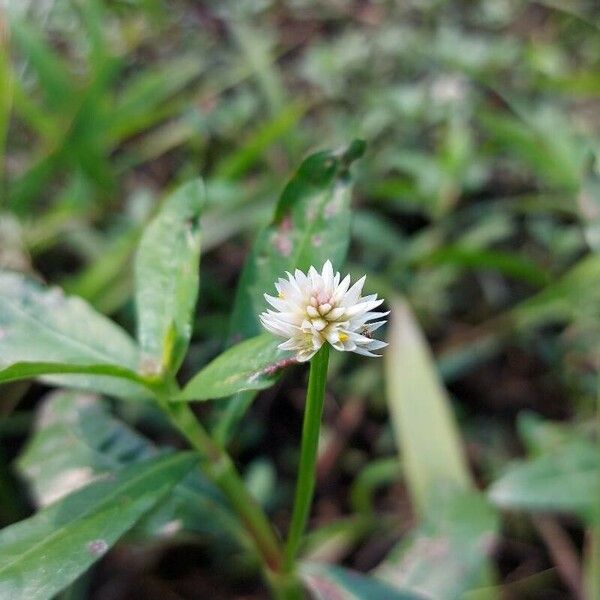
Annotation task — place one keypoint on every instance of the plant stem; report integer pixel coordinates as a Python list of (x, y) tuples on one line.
[(305, 485), (221, 470)]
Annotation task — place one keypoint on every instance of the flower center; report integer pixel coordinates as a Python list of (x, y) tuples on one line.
[(322, 311), (320, 306)]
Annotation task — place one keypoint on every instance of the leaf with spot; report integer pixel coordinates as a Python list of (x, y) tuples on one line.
[(311, 224), (250, 365), (43, 554), (42, 325), (76, 440), (167, 279), (445, 556), (330, 582)]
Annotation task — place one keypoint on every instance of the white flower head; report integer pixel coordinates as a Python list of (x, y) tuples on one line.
[(315, 308)]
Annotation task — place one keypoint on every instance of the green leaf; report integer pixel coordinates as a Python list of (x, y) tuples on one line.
[(541, 436), (457, 524), (507, 263), (328, 582), (541, 138), (106, 281), (237, 163), (56, 81), (6, 98), (426, 432), (562, 479), (28, 370), (311, 224), (588, 201), (570, 297), (250, 365), (43, 554), (76, 440), (42, 325), (446, 555), (138, 105), (167, 279)]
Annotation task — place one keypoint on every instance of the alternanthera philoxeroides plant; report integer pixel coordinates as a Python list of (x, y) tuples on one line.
[(65, 342)]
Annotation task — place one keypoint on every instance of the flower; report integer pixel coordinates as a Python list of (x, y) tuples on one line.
[(315, 308)]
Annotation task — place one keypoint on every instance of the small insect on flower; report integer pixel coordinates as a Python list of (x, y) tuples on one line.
[(315, 308)]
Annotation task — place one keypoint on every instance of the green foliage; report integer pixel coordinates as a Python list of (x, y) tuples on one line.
[(311, 224), (323, 581), (588, 201), (49, 370), (560, 475), (42, 325), (477, 204), (46, 552), (427, 435), (250, 365), (77, 441), (6, 97), (166, 276), (460, 530), (457, 525)]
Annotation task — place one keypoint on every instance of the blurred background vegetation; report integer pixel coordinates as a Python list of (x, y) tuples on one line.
[(477, 203)]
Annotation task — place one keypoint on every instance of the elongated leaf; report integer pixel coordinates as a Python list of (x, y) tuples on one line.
[(311, 224), (43, 554), (575, 294), (541, 139), (42, 325), (510, 264), (541, 436), (6, 98), (76, 440), (250, 365), (28, 370), (562, 479), (54, 76), (588, 201), (137, 106), (446, 555), (237, 164), (328, 582), (167, 278), (425, 429), (106, 283), (457, 524)]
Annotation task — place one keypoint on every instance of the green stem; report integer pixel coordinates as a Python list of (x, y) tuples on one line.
[(221, 470), (305, 485)]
